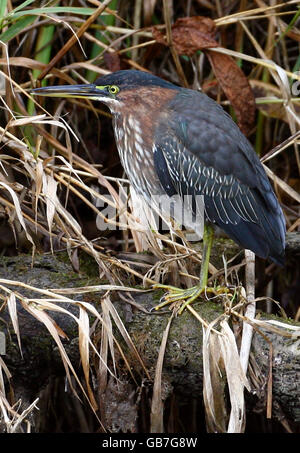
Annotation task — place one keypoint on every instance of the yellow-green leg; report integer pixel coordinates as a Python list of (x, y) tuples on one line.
[(189, 295), (208, 237)]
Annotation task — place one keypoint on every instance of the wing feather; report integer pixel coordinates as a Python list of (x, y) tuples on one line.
[(239, 209)]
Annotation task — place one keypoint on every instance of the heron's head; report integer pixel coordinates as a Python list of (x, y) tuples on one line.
[(121, 89)]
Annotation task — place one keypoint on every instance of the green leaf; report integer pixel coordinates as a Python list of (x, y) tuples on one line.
[(54, 10), (23, 5), (3, 5), (42, 54), (16, 28)]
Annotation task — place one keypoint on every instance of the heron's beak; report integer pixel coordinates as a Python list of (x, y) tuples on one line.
[(88, 91)]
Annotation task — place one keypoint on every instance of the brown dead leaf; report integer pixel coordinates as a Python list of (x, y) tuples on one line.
[(83, 340), (236, 88), (112, 61), (157, 404), (190, 34)]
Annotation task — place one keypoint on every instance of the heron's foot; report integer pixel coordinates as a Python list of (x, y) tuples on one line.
[(185, 297)]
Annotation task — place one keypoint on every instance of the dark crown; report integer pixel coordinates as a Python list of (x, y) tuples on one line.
[(130, 79)]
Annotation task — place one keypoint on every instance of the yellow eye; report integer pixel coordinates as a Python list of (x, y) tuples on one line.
[(113, 89)]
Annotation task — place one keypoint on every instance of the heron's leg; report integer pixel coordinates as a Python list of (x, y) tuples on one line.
[(208, 237), (187, 296)]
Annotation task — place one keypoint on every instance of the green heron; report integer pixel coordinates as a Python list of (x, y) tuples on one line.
[(177, 141)]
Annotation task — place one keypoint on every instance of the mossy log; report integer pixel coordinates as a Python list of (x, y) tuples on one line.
[(182, 370)]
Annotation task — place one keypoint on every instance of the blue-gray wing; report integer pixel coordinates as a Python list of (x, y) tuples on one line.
[(224, 169)]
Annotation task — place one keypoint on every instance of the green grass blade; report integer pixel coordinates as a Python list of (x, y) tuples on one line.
[(289, 27), (28, 17), (3, 5), (42, 54), (54, 10), (16, 28), (23, 5)]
